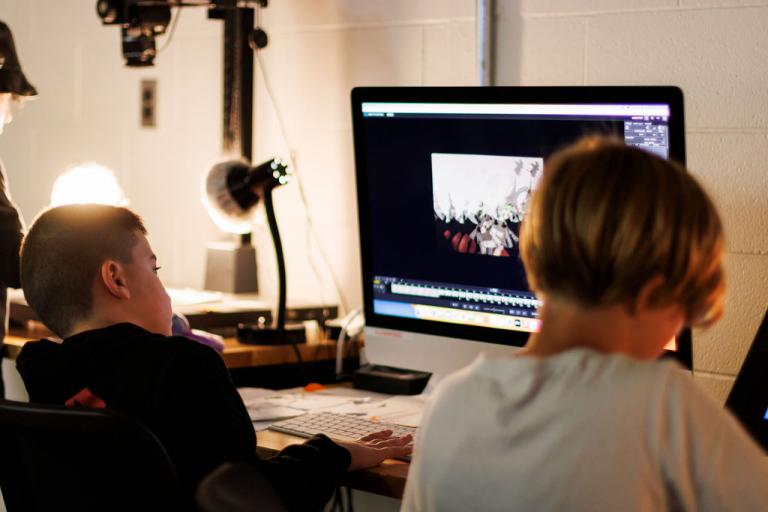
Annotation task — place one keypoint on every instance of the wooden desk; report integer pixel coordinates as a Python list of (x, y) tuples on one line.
[(235, 355), (388, 479)]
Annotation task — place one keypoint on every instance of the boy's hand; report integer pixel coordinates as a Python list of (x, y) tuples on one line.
[(372, 449)]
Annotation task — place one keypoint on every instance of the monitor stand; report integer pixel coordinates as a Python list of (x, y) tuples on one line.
[(389, 380)]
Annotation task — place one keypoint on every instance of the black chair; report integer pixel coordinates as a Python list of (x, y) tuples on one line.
[(61, 458), (238, 487)]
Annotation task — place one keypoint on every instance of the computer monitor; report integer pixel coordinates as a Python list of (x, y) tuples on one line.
[(748, 400), (443, 179)]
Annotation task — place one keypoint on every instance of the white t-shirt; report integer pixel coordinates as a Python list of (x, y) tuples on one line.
[(581, 430)]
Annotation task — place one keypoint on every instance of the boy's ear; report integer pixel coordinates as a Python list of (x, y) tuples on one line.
[(114, 279), (643, 300)]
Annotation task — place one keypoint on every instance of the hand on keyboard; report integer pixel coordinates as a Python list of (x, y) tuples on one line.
[(373, 449), (369, 442)]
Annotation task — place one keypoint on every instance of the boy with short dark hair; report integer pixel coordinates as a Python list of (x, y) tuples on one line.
[(623, 249), (89, 273)]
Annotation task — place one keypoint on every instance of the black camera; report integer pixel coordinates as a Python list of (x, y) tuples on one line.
[(141, 21)]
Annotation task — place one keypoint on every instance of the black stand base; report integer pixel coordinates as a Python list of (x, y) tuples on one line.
[(391, 381), (254, 334)]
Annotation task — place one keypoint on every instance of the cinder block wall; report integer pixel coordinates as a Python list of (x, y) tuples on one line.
[(715, 50)]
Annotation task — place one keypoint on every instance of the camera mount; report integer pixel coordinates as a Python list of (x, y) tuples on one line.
[(142, 20)]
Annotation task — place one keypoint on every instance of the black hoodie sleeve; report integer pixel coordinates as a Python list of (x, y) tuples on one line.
[(212, 426), (305, 475), (198, 414)]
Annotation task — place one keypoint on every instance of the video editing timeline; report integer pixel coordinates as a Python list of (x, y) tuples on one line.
[(444, 302)]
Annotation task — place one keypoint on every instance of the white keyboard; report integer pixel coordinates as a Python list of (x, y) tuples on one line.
[(340, 426)]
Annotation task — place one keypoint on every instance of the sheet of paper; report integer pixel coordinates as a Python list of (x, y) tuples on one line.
[(315, 402), (272, 413), (251, 394), (401, 410)]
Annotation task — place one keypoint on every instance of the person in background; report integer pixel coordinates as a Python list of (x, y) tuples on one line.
[(14, 89), (623, 249)]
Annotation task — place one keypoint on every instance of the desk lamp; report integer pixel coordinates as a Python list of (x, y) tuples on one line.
[(232, 190)]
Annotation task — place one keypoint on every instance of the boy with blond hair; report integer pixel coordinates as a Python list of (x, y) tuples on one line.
[(623, 249), (90, 274)]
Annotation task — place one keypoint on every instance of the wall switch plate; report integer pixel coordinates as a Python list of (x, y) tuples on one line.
[(148, 103)]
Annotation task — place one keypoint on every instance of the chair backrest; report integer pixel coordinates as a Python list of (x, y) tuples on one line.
[(62, 458)]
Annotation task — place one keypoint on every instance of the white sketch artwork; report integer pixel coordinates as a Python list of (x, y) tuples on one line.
[(488, 193)]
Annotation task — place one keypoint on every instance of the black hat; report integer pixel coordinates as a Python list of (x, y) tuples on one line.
[(12, 79)]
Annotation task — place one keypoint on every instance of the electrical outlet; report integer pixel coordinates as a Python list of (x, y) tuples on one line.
[(148, 103)]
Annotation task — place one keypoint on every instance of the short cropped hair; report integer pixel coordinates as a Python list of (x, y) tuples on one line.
[(62, 254), (607, 218)]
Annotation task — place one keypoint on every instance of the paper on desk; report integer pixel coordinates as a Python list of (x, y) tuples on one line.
[(267, 412), (315, 401), (352, 408), (401, 410), (266, 404), (306, 402), (260, 408), (250, 394)]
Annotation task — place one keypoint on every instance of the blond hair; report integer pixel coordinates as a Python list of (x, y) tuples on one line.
[(607, 218)]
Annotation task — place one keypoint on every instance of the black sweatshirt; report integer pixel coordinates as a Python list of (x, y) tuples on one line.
[(182, 391)]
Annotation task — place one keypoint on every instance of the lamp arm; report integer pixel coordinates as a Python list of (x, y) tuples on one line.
[(281, 280)]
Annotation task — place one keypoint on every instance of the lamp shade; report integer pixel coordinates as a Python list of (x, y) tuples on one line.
[(232, 189), (87, 183)]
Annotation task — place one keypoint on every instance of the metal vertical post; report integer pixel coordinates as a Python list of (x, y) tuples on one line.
[(486, 13), (237, 136)]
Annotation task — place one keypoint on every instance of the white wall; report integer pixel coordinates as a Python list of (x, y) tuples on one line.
[(715, 50)]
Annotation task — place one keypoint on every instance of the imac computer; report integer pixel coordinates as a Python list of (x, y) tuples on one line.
[(443, 180)]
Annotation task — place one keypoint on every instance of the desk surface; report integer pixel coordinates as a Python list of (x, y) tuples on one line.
[(235, 355), (387, 479)]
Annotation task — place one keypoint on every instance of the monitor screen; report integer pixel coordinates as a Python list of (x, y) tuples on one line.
[(444, 176)]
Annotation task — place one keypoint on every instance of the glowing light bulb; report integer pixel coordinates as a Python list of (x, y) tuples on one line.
[(87, 183)]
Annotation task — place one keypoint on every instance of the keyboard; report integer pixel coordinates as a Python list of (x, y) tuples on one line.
[(335, 425)]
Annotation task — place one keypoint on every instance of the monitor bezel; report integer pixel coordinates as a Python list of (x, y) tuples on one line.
[(746, 400), (669, 95)]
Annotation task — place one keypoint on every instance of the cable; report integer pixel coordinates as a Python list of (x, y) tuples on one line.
[(350, 505), (311, 231), (171, 31), (340, 341), (302, 193), (302, 365), (337, 503)]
